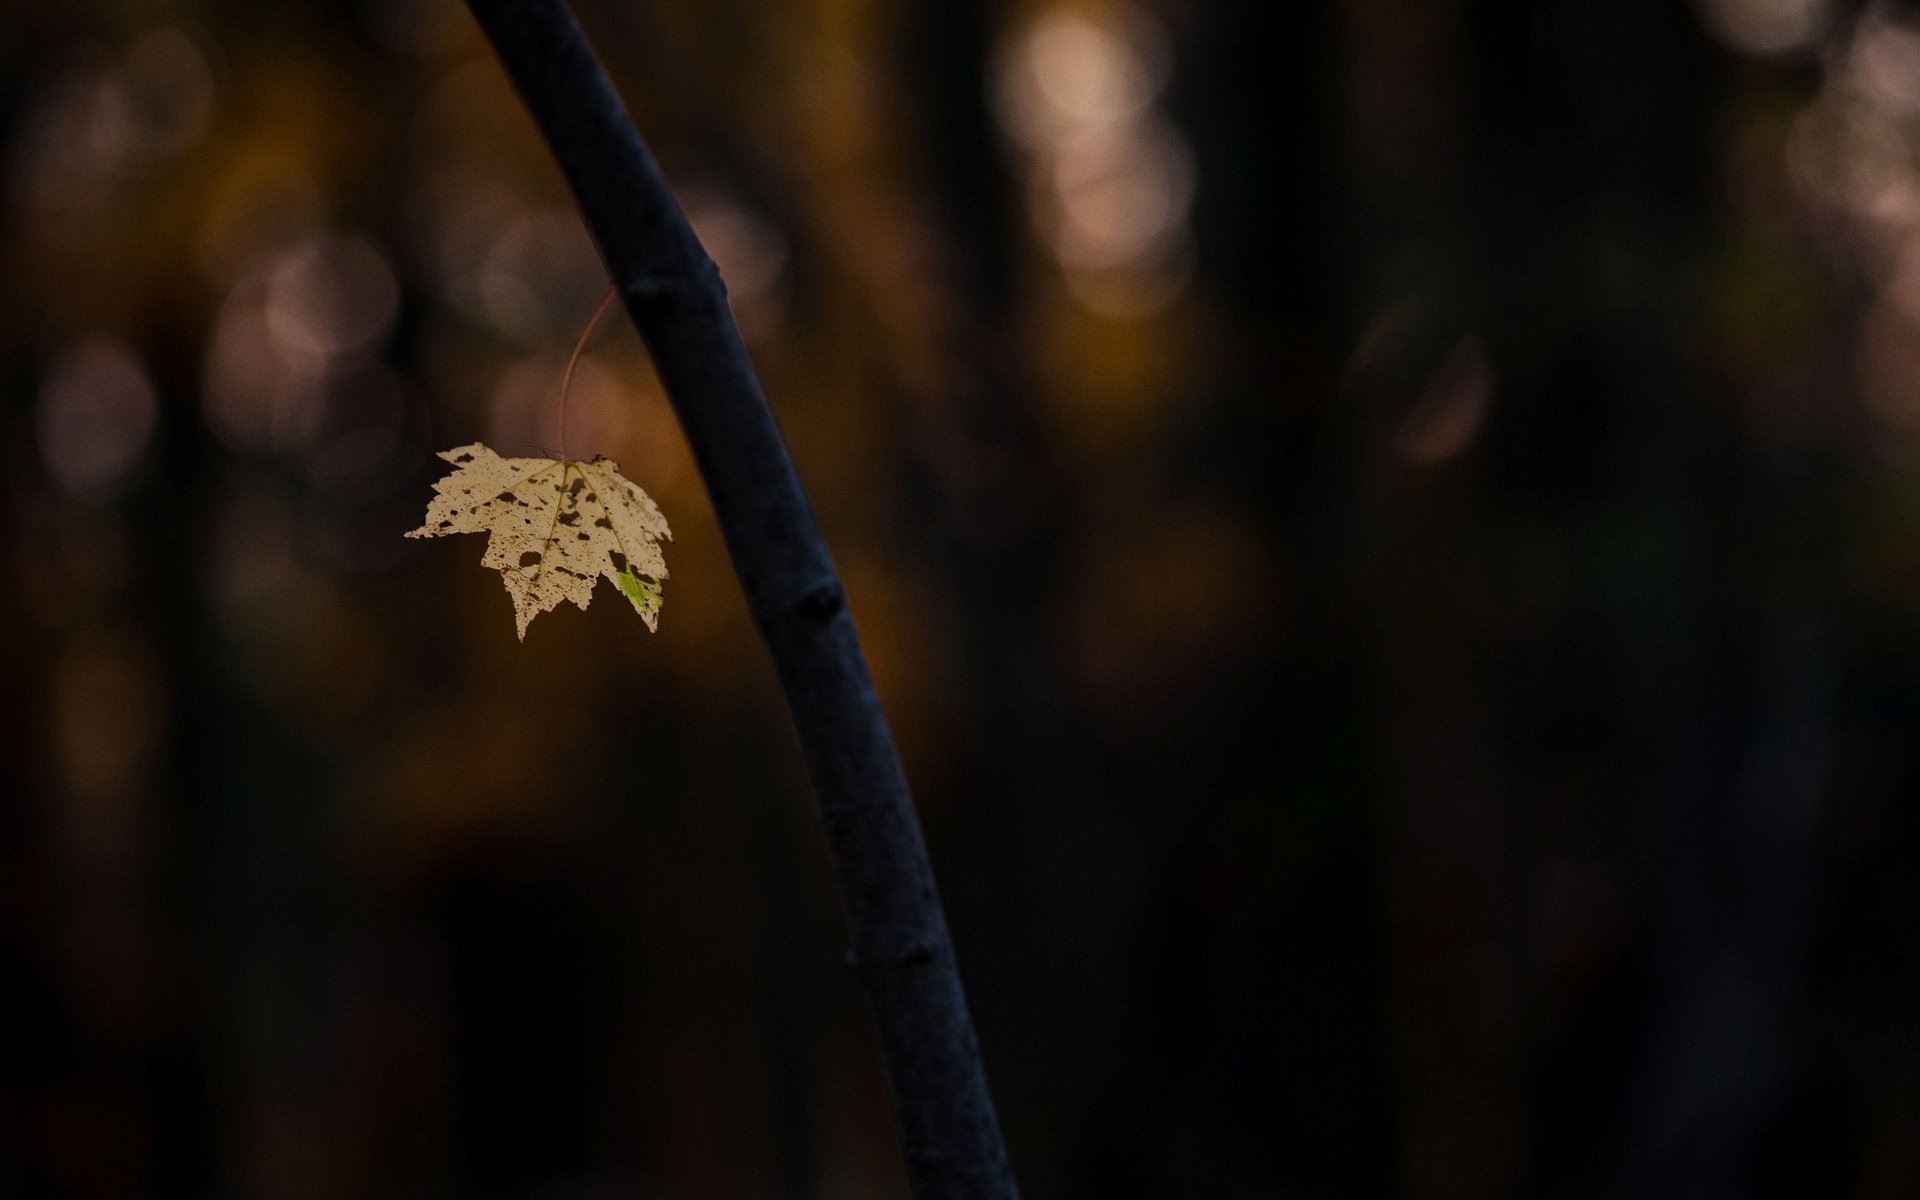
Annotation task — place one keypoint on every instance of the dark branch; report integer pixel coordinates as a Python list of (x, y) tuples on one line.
[(900, 946)]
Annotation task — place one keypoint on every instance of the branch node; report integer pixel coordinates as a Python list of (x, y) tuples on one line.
[(822, 603)]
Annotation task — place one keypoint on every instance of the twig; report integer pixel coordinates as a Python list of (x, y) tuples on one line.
[(900, 947)]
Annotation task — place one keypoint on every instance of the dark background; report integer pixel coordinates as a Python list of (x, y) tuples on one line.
[(1389, 531)]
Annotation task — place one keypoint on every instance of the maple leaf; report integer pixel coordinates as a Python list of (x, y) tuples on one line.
[(556, 526)]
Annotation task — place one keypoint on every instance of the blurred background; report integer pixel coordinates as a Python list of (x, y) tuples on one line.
[(1389, 531)]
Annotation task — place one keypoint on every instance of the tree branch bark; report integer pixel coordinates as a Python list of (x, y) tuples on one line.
[(900, 947)]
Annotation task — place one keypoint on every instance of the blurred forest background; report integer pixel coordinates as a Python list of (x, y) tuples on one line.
[(1389, 530)]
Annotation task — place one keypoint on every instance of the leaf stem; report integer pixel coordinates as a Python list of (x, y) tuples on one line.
[(566, 378)]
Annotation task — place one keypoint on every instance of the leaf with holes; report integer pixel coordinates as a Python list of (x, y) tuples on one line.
[(556, 526)]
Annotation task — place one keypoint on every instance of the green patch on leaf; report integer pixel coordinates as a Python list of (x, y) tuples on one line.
[(645, 595)]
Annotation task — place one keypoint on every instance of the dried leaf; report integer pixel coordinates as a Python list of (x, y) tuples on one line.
[(556, 526)]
